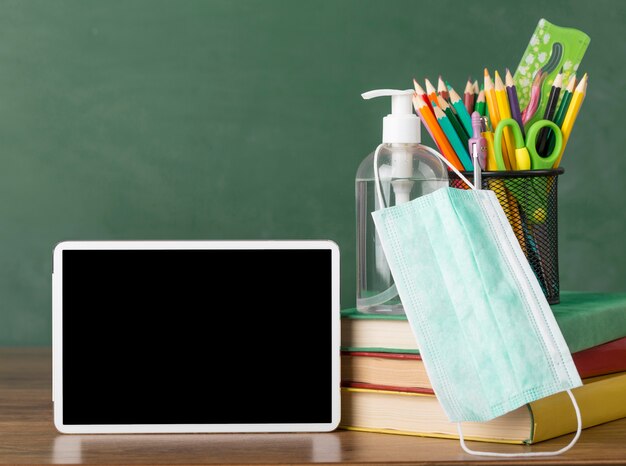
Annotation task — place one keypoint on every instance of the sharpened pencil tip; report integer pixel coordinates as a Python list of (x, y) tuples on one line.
[(498, 81), (417, 87), (486, 73), (582, 84), (571, 84), (429, 87), (508, 79), (441, 86), (454, 96), (418, 102)]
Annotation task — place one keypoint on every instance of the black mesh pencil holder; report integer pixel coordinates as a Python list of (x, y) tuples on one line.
[(529, 200)]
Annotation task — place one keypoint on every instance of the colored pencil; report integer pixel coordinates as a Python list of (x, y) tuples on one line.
[(456, 124), (504, 112), (420, 92), (429, 120), (572, 112), (432, 116), (442, 89), (565, 100), (494, 115), (453, 138), (480, 103), (548, 114), (476, 90), (566, 97), (468, 96), (461, 111), (511, 92), (431, 93), (490, 99)]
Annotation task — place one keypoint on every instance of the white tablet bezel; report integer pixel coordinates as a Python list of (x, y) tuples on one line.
[(57, 336)]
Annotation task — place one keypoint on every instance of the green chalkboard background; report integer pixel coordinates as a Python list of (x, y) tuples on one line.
[(148, 119)]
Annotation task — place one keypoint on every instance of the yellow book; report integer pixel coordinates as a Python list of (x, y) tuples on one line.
[(600, 399)]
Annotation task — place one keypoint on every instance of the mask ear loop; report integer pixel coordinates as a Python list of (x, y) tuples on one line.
[(392, 291), (379, 193), (381, 202), (540, 453)]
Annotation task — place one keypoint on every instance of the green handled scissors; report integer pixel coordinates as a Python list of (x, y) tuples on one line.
[(526, 155)]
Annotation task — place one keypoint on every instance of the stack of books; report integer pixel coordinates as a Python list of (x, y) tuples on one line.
[(385, 387)]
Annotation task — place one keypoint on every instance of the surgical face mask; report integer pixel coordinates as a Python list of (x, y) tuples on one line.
[(486, 333)]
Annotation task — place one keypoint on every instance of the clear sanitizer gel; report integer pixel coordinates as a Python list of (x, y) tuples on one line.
[(399, 170)]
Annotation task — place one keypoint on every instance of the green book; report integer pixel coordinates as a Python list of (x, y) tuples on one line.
[(586, 320)]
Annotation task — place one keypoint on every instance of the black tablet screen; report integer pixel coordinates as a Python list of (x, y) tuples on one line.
[(197, 336)]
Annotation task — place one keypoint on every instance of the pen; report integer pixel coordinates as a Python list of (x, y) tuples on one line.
[(477, 143), (478, 180)]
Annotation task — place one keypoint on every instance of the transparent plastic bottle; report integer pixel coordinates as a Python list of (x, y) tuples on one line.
[(405, 171)]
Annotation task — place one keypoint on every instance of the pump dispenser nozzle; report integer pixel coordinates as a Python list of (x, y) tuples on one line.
[(401, 126)]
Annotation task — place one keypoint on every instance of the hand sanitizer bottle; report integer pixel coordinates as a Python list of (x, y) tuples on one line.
[(399, 170)]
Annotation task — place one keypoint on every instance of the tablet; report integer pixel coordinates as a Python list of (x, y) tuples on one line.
[(195, 336)]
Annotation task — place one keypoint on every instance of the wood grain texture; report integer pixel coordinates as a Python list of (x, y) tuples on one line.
[(28, 436)]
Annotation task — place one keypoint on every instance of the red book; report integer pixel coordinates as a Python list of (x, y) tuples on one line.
[(602, 359), (406, 372)]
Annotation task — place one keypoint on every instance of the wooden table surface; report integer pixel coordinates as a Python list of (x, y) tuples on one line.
[(27, 435)]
